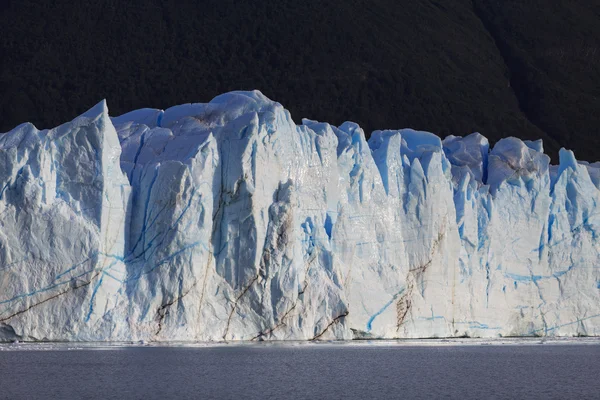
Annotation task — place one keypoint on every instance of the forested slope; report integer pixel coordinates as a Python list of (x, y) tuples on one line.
[(504, 68)]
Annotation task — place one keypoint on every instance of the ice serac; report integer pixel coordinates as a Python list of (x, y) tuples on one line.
[(227, 221), (63, 207)]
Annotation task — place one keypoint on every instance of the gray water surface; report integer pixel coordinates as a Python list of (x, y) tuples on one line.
[(304, 372)]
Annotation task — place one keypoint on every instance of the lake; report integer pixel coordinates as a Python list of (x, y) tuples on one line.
[(417, 370)]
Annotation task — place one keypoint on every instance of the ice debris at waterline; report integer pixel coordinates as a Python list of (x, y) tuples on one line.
[(226, 221)]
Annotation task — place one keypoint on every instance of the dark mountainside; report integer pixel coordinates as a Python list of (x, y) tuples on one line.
[(503, 68)]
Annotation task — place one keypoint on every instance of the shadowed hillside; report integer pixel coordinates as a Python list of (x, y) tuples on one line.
[(450, 67)]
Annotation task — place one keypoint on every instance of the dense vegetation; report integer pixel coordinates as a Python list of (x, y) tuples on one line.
[(504, 68)]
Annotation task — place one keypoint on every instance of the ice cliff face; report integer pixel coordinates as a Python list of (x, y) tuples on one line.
[(226, 221)]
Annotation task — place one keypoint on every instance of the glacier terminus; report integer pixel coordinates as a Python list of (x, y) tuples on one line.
[(227, 221)]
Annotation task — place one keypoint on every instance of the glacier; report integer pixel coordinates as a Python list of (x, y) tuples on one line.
[(227, 221)]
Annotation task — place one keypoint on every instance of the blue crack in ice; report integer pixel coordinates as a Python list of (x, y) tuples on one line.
[(378, 313), (73, 267), (535, 278), (577, 321), (45, 289), (91, 307)]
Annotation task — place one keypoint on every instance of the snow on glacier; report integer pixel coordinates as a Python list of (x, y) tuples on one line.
[(227, 221)]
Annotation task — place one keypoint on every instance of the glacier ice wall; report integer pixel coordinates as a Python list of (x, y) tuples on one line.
[(227, 221)]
